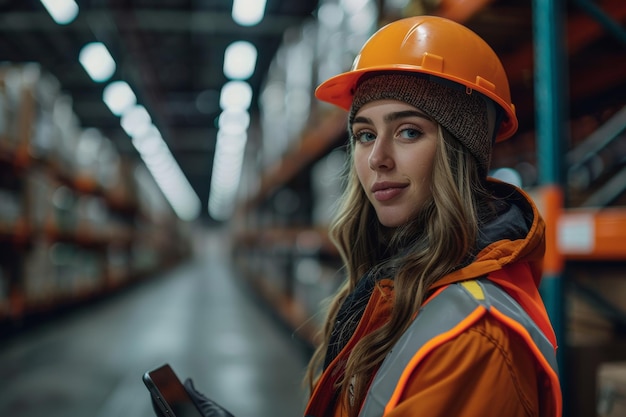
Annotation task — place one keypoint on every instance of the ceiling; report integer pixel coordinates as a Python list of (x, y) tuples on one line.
[(171, 53)]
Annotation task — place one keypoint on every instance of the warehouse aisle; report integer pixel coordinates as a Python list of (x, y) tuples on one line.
[(196, 317)]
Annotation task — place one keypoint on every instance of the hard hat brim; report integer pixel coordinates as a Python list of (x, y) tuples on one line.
[(339, 90)]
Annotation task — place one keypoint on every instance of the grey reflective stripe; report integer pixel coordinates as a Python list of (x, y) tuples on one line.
[(511, 308), (442, 314)]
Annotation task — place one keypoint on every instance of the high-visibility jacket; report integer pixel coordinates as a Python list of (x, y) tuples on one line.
[(482, 344), (451, 312)]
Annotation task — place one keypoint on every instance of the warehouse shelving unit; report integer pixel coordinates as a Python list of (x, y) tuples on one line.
[(72, 229)]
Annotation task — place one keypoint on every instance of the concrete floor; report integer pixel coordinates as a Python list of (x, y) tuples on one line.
[(197, 317)]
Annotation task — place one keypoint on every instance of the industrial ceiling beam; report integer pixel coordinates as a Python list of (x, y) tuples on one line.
[(162, 20)]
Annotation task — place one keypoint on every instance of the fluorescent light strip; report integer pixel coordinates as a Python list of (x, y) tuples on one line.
[(248, 12), (236, 95), (167, 173), (61, 11), (240, 60), (97, 61), (136, 120), (119, 97), (226, 174)]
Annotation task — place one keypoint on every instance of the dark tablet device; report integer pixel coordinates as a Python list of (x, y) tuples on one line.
[(169, 394)]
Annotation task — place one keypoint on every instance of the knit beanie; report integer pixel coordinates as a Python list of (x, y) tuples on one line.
[(468, 115)]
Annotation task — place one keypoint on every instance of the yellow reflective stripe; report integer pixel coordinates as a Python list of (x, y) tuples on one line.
[(474, 288)]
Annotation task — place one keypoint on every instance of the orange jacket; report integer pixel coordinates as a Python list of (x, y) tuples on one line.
[(486, 368)]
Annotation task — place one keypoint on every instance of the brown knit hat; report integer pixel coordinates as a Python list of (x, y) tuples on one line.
[(467, 115)]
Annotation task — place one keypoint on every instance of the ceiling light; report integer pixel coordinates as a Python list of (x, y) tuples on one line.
[(230, 145), (149, 142), (330, 15), (119, 97), (239, 60), (226, 174), (233, 121), (97, 61), (62, 11), (248, 12), (136, 121), (353, 6), (167, 173), (177, 191), (236, 95), (363, 22)]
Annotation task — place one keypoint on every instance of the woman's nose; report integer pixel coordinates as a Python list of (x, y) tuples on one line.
[(380, 157)]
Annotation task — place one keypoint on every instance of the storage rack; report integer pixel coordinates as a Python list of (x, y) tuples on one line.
[(71, 229)]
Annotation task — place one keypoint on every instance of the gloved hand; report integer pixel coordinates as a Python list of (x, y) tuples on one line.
[(207, 407)]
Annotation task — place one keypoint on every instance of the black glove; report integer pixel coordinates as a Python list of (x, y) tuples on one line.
[(207, 407)]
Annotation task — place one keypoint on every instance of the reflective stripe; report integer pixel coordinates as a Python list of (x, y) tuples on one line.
[(474, 288), (444, 317), (511, 308)]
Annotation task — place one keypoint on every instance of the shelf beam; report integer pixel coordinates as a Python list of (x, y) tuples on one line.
[(312, 145), (593, 234)]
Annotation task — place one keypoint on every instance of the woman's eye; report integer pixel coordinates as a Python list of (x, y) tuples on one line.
[(410, 133), (364, 137)]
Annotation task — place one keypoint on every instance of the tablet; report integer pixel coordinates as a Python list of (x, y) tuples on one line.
[(169, 394)]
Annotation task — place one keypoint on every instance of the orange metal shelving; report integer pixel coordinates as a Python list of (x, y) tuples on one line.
[(593, 234)]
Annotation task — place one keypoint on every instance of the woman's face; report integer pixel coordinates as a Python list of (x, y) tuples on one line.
[(394, 148)]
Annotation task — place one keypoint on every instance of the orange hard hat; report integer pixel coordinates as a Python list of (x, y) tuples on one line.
[(428, 45)]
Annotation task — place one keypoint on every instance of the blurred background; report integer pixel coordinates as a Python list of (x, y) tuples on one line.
[(167, 178)]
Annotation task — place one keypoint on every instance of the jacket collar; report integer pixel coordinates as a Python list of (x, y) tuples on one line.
[(516, 235)]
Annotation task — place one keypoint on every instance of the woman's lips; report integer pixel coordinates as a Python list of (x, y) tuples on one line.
[(387, 191)]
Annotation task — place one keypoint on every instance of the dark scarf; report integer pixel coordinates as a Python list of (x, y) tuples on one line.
[(349, 315)]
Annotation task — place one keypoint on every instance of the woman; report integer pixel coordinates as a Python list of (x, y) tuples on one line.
[(440, 314)]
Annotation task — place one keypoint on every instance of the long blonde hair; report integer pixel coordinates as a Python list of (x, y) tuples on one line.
[(437, 242)]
